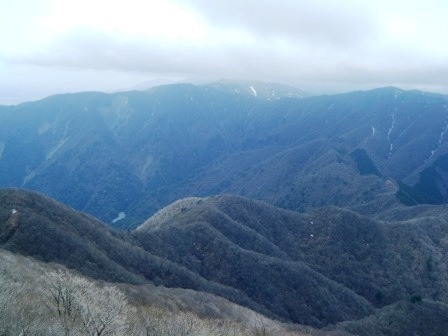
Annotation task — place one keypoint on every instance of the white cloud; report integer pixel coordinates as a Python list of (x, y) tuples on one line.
[(314, 22), (317, 45)]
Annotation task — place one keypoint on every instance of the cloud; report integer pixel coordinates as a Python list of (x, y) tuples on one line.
[(238, 58), (92, 49), (246, 58), (316, 45), (341, 23), (240, 38)]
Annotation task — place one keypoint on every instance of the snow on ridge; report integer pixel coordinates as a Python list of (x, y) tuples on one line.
[(253, 90)]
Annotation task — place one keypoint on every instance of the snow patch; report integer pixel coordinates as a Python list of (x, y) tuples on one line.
[(2, 149), (43, 128), (13, 211), (118, 114), (441, 136), (145, 170), (29, 177), (254, 92), (373, 131), (391, 146), (120, 216), (59, 145), (56, 148)]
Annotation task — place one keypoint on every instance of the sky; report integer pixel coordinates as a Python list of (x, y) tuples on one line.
[(320, 46)]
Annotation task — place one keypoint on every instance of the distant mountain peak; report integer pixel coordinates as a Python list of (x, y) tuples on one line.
[(266, 91)]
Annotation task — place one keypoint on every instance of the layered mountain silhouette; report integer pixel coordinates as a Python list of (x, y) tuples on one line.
[(320, 268), (327, 211), (121, 157), (37, 226)]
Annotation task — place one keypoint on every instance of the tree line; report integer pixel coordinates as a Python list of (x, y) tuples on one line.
[(63, 303)]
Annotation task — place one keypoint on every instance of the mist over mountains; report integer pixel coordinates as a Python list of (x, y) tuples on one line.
[(325, 211), (123, 156)]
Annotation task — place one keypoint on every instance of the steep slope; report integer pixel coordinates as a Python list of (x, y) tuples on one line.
[(28, 273), (420, 318), (34, 225), (300, 265), (124, 156), (290, 289), (321, 268)]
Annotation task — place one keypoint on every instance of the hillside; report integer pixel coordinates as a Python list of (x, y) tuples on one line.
[(414, 317), (123, 156), (327, 268), (380, 261), (25, 306), (51, 232)]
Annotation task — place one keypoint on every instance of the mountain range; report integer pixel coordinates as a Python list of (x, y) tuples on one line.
[(323, 268), (324, 211), (121, 157)]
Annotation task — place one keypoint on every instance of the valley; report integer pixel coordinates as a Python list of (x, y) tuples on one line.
[(145, 150), (240, 201)]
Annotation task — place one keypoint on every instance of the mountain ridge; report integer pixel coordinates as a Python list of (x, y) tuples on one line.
[(318, 268), (183, 140)]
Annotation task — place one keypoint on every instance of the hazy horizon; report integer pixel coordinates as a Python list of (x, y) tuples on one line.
[(145, 85), (51, 47)]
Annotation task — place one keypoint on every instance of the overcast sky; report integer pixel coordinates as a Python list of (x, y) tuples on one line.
[(321, 46)]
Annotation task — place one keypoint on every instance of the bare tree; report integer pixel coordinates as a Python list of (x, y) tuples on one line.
[(156, 321), (8, 292), (19, 313), (104, 311), (82, 308), (61, 293)]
